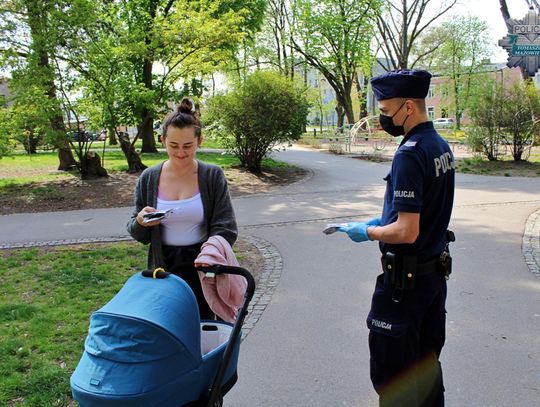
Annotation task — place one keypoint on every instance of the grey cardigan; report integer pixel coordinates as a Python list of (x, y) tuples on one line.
[(217, 207)]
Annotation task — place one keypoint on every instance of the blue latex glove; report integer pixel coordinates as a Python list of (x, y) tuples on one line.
[(374, 222), (357, 231)]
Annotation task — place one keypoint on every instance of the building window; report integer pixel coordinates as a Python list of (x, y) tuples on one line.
[(430, 92), (431, 112)]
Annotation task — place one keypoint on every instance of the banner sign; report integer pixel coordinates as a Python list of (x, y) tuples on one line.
[(523, 42)]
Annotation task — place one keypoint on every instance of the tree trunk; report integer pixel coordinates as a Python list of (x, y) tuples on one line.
[(112, 136), (146, 129), (362, 100), (91, 166), (38, 14), (349, 112), (347, 104), (134, 160), (31, 142), (340, 116), (65, 159)]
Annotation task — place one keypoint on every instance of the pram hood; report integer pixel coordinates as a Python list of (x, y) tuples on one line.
[(148, 319)]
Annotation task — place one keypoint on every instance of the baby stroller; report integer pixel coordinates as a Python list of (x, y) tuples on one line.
[(147, 347)]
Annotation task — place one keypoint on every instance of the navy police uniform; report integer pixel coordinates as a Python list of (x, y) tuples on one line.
[(407, 318)]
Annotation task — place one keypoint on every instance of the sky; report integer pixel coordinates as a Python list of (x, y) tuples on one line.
[(489, 11)]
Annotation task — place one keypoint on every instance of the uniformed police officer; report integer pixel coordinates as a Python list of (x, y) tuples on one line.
[(407, 316)]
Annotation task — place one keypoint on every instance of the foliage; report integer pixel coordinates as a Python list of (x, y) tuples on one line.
[(47, 297), (266, 110), (270, 47), (30, 36), (7, 139), (464, 46), (505, 117), (334, 37), (102, 54), (520, 118), (486, 112)]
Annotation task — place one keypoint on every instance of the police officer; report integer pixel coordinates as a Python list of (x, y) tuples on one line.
[(407, 316)]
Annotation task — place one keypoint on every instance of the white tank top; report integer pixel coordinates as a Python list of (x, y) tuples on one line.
[(185, 225)]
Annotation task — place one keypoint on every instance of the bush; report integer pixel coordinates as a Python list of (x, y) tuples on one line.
[(267, 109), (505, 117)]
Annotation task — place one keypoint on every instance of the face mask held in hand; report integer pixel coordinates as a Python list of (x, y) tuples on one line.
[(387, 123)]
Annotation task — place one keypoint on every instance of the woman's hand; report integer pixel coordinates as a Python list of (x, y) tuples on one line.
[(144, 211)]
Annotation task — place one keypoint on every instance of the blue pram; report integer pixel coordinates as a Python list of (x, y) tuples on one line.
[(147, 347)]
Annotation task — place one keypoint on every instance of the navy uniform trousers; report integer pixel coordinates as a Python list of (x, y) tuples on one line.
[(405, 342)]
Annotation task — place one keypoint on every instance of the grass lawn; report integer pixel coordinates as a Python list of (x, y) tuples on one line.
[(504, 168), (21, 168), (47, 297)]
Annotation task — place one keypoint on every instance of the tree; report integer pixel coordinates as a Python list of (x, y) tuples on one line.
[(241, 53), (334, 37), (117, 48), (520, 118), (505, 117), (7, 141), (464, 47), (255, 116), (28, 117), (186, 38), (29, 39), (400, 27), (486, 111)]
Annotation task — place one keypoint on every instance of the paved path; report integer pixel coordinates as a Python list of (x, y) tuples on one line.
[(309, 346)]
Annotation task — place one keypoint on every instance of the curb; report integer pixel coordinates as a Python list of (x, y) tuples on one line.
[(530, 245), (268, 281), (64, 242)]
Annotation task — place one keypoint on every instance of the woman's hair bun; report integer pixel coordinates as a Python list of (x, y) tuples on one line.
[(186, 106)]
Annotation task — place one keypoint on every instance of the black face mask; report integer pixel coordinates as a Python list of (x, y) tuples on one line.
[(387, 123)]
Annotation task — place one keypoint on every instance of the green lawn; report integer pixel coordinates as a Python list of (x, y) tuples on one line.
[(21, 168), (47, 296)]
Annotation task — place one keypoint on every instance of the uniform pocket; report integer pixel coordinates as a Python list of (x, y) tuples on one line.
[(386, 326)]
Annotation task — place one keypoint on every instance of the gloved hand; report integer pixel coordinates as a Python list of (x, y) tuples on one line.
[(357, 231), (374, 222)]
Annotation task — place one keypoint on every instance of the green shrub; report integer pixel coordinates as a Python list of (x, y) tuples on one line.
[(267, 109)]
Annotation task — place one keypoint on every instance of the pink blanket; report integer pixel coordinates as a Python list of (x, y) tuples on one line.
[(225, 292)]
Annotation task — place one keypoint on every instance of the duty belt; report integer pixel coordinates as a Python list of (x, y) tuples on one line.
[(427, 267)]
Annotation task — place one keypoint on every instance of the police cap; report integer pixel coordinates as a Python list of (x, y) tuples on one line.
[(403, 83)]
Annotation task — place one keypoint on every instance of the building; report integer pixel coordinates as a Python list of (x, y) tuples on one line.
[(439, 105)]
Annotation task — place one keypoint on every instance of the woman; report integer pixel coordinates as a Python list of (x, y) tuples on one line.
[(196, 192)]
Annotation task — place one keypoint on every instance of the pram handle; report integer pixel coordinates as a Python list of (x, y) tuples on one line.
[(218, 269), (214, 393)]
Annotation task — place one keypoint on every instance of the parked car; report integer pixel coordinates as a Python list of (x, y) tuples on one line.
[(443, 122)]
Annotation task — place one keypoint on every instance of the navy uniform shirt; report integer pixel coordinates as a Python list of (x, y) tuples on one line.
[(421, 181)]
